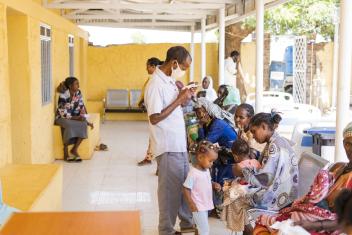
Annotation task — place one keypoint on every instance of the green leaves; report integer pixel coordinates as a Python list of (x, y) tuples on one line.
[(300, 17)]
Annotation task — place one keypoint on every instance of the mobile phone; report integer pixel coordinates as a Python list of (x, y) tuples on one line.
[(190, 86)]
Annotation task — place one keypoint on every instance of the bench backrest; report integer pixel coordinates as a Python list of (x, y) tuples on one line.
[(135, 95), (309, 165), (117, 98)]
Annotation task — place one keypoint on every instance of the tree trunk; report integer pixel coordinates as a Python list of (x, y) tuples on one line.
[(233, 37)]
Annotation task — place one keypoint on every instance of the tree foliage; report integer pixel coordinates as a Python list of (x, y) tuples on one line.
[(300, 17)]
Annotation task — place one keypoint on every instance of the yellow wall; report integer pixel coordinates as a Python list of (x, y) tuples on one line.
[(124, 66), (248, 65), (17, 26), (326, 58), (5, 108), (35, 11), (32, 122)]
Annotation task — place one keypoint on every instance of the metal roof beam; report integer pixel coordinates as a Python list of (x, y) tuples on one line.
[(134, 6), (232, 19), (133, 16), (137, 24), (212, 1)]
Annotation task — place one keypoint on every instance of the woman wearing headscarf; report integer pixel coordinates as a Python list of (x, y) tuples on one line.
[(208, 87), (316, 210), (228, 98), (217, 125)]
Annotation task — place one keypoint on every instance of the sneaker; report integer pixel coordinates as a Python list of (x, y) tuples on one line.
[(187, 230)]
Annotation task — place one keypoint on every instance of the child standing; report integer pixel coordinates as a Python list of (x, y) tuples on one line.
[(198, 187)]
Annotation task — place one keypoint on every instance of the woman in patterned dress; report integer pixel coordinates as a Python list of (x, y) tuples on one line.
[(273, 186), (71, 115), (315, 211)]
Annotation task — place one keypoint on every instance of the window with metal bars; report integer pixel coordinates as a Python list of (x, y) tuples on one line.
[(45, 55), (71, 52)]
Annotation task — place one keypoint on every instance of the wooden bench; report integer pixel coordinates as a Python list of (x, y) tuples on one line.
[(36, 187), (86, 149), (121, 101), (74, 223)]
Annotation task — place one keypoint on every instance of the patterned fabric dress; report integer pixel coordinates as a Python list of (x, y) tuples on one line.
[(69, 107), (277, 182), (316, 205), (272, 187)]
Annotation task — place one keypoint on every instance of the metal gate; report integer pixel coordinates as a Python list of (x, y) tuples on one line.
[(300, 69)]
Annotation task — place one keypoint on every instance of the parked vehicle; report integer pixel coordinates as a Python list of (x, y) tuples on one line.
[(277, 75), (283, 102), (288, 84)]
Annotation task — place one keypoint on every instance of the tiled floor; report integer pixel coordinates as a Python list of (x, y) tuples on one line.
[(112, 180)]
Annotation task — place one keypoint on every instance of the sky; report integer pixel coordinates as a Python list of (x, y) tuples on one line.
[(103, 36)]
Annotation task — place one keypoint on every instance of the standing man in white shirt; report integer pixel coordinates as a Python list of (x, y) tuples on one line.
[(232, 66), (168, 138)]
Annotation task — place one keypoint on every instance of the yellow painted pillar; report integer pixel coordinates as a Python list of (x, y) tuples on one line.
[(17, 26), (5, 110)]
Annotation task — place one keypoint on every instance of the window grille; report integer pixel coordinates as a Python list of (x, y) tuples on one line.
[(46, 73), (71, 52)]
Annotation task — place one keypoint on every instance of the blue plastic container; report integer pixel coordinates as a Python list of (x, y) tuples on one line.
[(307, 141), (288, 59), (277, 74), (321, 130)]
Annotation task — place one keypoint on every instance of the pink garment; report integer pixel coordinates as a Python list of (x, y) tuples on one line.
[(199, 182), (251, 163)]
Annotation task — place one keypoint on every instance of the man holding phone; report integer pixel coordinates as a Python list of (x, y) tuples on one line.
[(168, 138)]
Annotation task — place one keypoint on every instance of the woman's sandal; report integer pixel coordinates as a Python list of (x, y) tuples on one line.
[(76, 157), (69, 159)]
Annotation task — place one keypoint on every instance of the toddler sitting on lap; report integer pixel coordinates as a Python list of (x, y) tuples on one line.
[(242, 155)]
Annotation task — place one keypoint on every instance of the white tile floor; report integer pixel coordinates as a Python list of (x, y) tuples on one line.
[(112, 180)]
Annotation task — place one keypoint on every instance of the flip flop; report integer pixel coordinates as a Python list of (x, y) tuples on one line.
[(144, 162)]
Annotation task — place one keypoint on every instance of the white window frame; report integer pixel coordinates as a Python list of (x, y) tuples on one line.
[(46, 65), (71, 54)]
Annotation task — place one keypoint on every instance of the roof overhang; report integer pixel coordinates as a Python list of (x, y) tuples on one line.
[(179, 15)]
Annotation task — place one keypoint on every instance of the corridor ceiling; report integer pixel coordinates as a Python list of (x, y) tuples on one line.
[(179, 15)]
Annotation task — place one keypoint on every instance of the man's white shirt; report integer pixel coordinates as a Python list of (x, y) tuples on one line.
[(169, 135)]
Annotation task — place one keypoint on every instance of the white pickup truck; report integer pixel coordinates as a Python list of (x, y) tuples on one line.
[(291, 112)]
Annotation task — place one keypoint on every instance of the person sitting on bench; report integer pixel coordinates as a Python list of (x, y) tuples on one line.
[(71, 116)]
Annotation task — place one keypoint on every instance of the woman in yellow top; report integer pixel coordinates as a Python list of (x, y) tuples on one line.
[(152, 63)]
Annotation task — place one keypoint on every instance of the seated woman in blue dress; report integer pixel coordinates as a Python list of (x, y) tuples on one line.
[(217, 126)]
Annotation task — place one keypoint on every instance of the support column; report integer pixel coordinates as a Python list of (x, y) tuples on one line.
[(344, 77), (259, 5), (203, 50), (191, 70), (335, 62), (221, 45)]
